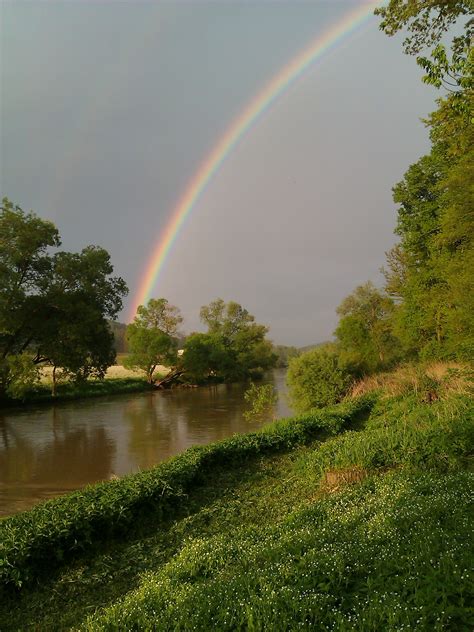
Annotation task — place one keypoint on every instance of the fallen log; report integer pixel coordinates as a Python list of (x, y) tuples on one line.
[(170, 379)]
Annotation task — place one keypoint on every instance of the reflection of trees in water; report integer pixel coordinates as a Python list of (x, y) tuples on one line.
[(165, 423), (17, 455), (82, 456), (71, 459), (147, 431)]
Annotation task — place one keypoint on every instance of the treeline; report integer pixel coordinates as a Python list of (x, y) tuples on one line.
[(235, 346), (283, 353), (425, 311)]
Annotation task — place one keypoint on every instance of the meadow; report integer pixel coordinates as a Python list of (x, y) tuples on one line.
[(356, 517)]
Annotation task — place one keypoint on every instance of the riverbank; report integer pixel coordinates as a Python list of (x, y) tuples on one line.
[(331, 519), (41, 394)]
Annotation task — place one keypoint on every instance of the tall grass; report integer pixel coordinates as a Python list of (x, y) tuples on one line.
[(402, 432), (429, 382)]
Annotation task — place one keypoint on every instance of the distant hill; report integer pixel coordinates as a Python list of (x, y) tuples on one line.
[(314, 346)]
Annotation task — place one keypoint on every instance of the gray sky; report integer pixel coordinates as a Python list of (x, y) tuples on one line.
[(109, 108)]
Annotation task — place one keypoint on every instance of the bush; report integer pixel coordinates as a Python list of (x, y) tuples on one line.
[(315, 380), (261, 399)]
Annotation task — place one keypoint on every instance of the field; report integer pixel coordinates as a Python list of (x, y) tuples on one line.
[(354, 518)]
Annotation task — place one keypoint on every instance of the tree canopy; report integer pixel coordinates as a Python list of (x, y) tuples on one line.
[(427, 22), (54, 306), (152, 337), (234, 347)]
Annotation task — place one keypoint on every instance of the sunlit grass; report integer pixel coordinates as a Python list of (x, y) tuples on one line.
[(429, 381)]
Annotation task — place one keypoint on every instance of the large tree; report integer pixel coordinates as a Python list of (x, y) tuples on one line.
[(152, 337), (235, 347), (54, 306), (430, 272), (364, 333)]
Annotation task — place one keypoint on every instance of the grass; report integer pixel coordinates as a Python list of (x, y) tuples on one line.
[(260, 541), (429, 381)]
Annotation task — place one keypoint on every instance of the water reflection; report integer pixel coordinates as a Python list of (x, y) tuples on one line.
[(48, 451)]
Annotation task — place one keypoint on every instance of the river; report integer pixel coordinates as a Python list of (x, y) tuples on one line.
[(50, 450)]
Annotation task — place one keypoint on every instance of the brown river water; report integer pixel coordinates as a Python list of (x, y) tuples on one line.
[(48, 451)]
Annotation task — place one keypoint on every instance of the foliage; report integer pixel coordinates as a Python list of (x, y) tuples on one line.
[(23, 374), (430, 271), (427, 21), (261, 400), (430, 274), (234, 348), (206, 356), (119, 332), (62, 527), (366, 342), (284, 354), (151, 338), (53, 306), (316, 379)]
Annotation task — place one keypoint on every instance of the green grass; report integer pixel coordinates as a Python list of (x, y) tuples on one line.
[(257, 540)]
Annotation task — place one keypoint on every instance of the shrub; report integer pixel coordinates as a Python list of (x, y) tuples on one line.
[(315, 380), (261, 399)]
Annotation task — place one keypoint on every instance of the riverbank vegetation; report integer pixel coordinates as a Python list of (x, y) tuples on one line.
[(352, 517), (71, 390)]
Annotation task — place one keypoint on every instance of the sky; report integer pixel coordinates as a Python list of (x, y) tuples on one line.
[(108, 109)]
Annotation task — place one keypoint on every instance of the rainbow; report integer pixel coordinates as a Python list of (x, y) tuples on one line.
[(290, 73)]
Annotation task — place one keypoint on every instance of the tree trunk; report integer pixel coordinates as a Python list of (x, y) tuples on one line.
[(168, 381), (53, 390)]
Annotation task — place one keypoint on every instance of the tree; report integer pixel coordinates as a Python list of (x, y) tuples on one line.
[(206, 357), (152, 336), (234, 348), (431, 271), (53, 306), (315, 379), (426, 22), (364, 332)]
